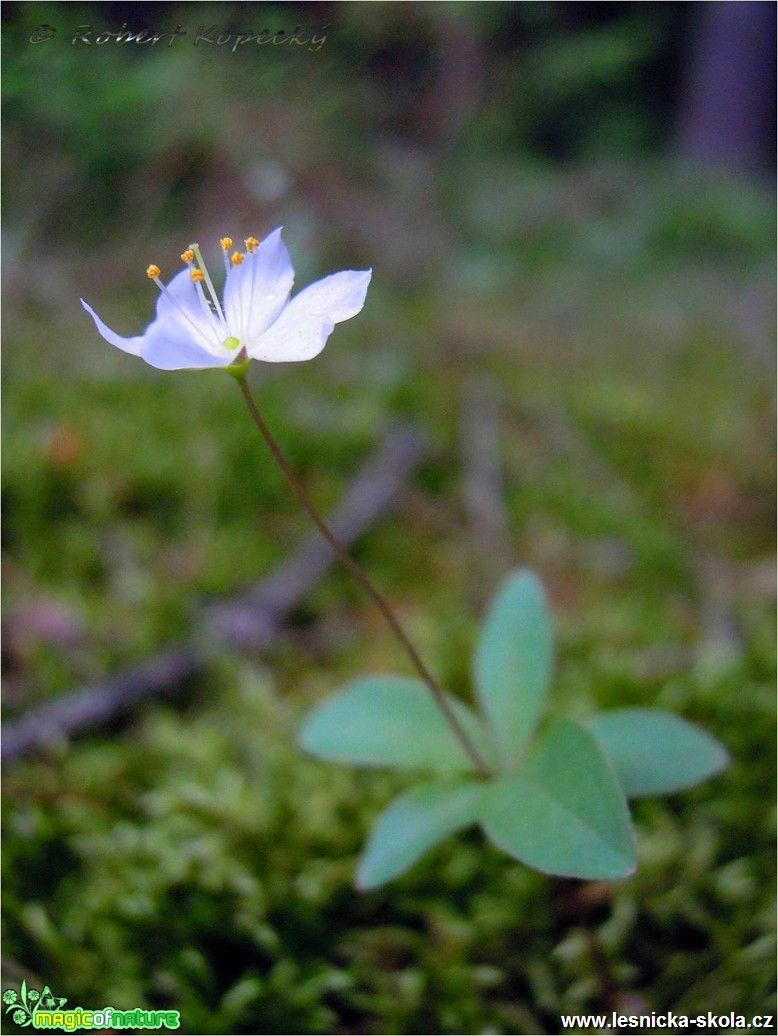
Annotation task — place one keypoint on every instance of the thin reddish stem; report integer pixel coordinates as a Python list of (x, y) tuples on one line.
[(365, 582)]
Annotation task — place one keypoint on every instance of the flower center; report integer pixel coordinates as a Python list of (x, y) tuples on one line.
[(213, 331)]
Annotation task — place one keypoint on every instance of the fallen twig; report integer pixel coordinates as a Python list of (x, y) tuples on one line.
[(249, 622)]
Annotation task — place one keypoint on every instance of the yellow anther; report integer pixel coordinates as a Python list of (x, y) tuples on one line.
[(153, 272), (237, 258), (187, 256), (226, 243), (251, 244), (197, 275)]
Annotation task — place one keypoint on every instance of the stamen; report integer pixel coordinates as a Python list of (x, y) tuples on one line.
[(153, 272), (236, 260), (226, 243), (207, 308), (217, 305), (187, 257), (252, 245)]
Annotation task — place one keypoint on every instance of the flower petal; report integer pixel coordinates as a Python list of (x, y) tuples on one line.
[(128, 345), (257, 290), (339, 296), (302, 329), (170, 346), (182, 336)]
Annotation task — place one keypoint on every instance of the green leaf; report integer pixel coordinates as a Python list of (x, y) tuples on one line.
[(565, 812), (412, 824), (513, 663), (655, 752), (391, 721)]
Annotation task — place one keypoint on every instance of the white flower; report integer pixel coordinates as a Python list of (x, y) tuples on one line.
[(257, 319)]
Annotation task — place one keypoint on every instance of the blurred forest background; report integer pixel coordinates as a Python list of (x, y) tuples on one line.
[(568, 209)]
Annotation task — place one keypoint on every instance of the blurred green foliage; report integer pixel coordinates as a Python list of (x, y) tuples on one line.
[(620, 310)]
